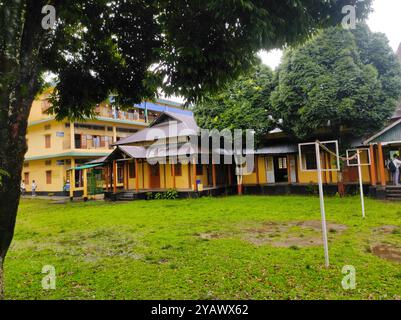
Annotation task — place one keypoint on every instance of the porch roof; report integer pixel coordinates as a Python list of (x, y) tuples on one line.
[(275, 149), (391, 133), (129, 152), (86, 166)]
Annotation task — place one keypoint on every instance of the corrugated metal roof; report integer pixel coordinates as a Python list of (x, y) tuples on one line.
[(98, 160), (133, 152), (387, 134), (167, 125), (275, 149), (163, 106), (174, 150)]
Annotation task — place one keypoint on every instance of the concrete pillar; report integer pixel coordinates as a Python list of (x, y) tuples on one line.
[(71, 173), (114, 134), (85, 178)]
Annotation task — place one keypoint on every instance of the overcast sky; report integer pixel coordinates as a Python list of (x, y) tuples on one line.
[(385, 18)]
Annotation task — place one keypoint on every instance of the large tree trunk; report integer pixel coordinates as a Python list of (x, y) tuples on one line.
[(20, 66), (12, 152), (1, 280)]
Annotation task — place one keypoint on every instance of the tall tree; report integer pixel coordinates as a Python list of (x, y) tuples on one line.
[(241, 104), (101, 46), (341, 79)]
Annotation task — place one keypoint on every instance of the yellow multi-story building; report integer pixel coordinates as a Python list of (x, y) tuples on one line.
[(56, 146)]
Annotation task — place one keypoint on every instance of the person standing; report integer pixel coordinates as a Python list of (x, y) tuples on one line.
[(396, 173), (34, 187), (23, 188)]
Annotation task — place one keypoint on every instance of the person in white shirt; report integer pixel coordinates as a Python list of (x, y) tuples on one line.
[(34, 187), (23, 188), (396, 174)]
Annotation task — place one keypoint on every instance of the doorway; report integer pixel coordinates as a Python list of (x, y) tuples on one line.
[(154, 176), (280, 169)]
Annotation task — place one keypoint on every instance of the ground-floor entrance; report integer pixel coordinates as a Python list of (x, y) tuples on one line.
[(280, 169), (154, 176)]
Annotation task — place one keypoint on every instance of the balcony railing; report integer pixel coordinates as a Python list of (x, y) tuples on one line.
[(97, 144), (132, 115)]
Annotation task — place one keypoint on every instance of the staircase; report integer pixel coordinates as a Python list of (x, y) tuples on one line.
[(393, 193), (125, 196)]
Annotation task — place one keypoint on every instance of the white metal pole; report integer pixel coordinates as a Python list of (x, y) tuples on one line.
[(322, 209), (361, 184)]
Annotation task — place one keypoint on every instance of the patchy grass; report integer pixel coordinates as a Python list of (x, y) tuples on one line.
[(250, 247)]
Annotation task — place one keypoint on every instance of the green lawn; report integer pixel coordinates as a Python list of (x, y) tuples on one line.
[(249, 247)]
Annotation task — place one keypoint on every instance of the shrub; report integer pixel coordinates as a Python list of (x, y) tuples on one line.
[(170, 194)]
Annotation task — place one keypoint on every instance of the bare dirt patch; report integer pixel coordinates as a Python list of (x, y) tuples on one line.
[(286, 234), (209, 235), (387, 252), (387, 230), (291, 234), (317, 225)]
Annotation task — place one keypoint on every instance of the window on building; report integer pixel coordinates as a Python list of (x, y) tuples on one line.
[(199, 169), (47, 141), (282, 163), (48, 177), (90, 126), (126, 130), (178, 169), (48, 163), (26, 178), (78, 141), (47, 127), (310, 161), (131, 169), (26, 164)]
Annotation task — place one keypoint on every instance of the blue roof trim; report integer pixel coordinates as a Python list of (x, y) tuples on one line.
[(162, 108)]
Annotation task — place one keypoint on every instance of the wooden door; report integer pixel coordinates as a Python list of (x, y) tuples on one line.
[(154, 176)]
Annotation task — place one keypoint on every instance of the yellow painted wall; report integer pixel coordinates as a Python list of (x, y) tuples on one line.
[(166, 178), (36, 139), (251, 179), (37, 171), (38, 105), (304, 177)]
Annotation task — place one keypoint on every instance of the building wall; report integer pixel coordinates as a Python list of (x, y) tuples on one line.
[(303, 177), (36, 139), (37, 171), (184, 181)]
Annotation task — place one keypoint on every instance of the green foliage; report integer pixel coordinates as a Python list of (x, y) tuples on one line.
[(131, 48), (170, 194), (311, 188), (339, 78), (242, 104)]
